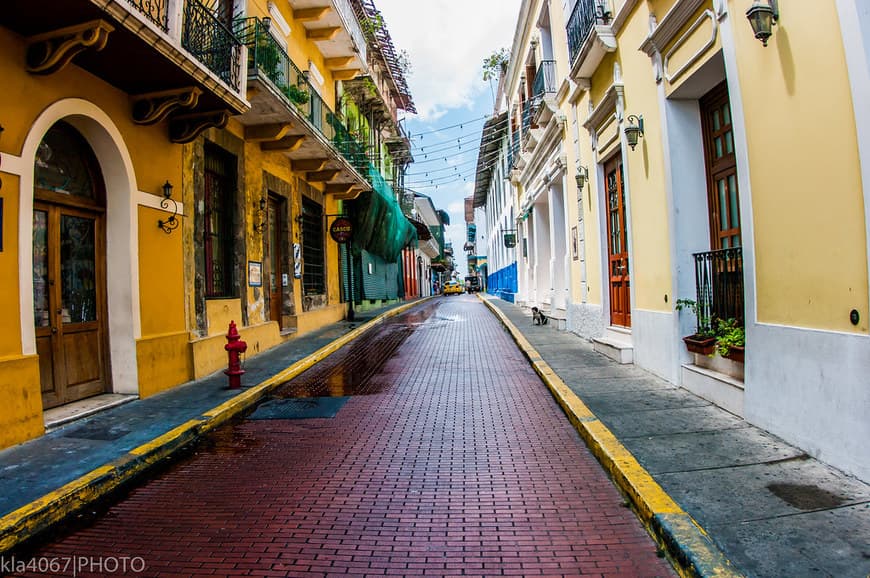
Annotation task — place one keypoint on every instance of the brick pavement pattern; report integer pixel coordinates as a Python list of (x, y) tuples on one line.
[(461, 464)]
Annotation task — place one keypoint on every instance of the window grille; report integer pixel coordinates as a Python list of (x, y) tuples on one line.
[(219, 177), (312, 248)]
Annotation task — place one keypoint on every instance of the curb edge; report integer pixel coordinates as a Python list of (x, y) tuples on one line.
[(689, 547)]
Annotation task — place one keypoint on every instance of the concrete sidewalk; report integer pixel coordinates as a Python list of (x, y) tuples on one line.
[(771, 509), (47, 479)]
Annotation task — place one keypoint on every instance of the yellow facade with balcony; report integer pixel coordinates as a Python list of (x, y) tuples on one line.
[(90, 163)]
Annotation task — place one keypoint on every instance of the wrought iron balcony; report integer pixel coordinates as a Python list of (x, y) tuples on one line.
[(545, 79), (187, 60), (719, 286), (157, 11), (514, 150), (586, 14), (266, 58), (211, 42), (528, 113)]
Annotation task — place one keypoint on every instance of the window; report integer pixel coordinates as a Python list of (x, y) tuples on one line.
[(724, 201), (219, 177), (312, 248)]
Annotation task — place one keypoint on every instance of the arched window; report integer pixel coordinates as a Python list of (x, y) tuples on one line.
[(65, 164)]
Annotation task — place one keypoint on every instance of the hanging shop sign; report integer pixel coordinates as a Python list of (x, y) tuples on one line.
[(341, 230), (510, 240)]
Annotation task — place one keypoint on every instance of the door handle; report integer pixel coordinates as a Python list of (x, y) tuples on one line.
[(54, 329)]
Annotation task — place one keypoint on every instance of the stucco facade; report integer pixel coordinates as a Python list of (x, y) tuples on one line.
[(731, 185)]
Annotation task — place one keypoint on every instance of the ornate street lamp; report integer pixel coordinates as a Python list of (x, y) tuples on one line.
[(762, 17)]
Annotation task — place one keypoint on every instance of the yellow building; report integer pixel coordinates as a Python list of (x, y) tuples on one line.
[(265, 187), (167, 168), (678, 155), (90, 162)]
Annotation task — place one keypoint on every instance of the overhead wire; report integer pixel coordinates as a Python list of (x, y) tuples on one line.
[(459, 124), (476, 135)]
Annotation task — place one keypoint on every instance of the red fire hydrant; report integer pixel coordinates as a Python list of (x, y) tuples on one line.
[(235, 347)]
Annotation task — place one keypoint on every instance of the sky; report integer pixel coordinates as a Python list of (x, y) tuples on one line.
[(447, 41)]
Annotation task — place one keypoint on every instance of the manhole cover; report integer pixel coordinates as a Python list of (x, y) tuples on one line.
[(96, 431), (299, 408), (805, 497)]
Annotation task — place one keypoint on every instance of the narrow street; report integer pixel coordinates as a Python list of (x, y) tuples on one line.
[(447, 456)]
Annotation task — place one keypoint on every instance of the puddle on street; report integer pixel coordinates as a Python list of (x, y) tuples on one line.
[(350, 370)]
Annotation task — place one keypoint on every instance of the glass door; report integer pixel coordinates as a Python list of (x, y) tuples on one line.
[(69, 303)]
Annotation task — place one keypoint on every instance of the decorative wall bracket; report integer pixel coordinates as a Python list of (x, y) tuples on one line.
[(153, 107), (185, 128), (49, 52)]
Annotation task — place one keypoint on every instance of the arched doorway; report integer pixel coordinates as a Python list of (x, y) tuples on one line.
[(69, 268)]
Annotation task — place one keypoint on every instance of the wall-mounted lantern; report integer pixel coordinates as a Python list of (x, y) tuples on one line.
[(633, 130), (582, 176), (171, 223), (763, 15)]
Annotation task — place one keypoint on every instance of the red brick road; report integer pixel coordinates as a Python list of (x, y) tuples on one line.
[(462, 464)]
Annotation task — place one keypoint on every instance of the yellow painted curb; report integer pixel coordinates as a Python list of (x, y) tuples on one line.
[(680, 535), (40, 514)]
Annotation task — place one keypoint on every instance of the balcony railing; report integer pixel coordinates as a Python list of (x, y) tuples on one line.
[(528, 112), (719, 283), (211, 42), (586, 14), (514, 150), (157, 11), (266, 57), (545, 79)]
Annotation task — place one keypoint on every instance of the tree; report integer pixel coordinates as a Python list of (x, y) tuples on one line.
[(495, 65)]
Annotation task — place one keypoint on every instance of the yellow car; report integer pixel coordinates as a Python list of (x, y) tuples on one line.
[(452, 288)]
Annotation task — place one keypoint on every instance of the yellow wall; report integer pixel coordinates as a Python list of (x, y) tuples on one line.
[(299, 48), (161, 287), (163, 361), (20, 400), (651, 275), (810, 241)]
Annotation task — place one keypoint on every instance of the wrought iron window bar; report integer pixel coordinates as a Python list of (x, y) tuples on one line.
[(719, 286)]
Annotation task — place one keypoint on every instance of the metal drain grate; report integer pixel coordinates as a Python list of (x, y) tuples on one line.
[(299, 408)]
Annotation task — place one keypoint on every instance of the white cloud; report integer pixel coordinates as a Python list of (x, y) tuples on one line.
[(447, 41)]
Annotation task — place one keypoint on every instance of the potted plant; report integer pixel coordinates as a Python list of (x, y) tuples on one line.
[(703, 341), (730, 340), (297, 95)]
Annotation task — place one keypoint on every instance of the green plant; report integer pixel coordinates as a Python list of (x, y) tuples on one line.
[(495, 64), (297, 95), (268, 58), (705, 326), (728, 336), (371, 25)]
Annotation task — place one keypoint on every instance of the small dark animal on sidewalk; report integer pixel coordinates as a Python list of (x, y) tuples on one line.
[(538, 317)]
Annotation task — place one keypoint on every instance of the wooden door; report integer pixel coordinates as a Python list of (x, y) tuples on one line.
[(617, 246), (275, 256), (69, 302), (723, 197)]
